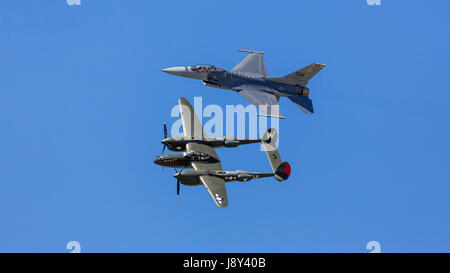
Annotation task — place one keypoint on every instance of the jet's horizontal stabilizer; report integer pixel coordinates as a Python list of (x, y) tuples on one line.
[(303, 102)]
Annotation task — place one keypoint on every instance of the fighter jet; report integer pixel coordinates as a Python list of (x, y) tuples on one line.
[(250, 79), (207, 165)]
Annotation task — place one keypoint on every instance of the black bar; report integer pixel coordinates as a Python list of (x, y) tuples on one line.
[(222, 262)]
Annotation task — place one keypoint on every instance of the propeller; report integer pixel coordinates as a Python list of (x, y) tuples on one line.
[(178, 185), (165, 136), (165, 130)]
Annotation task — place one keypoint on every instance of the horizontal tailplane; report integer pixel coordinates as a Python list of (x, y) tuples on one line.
[(303, 102)]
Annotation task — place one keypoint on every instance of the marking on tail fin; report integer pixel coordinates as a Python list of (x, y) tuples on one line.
[(305, 74)]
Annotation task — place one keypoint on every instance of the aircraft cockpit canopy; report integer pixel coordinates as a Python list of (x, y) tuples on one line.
[(206, 68)]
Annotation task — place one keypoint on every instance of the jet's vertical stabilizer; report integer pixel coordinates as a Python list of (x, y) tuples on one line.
[(303, 75)]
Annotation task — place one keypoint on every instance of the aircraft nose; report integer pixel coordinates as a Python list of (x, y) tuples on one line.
[(176, 175), (157, 161), (175, 70)]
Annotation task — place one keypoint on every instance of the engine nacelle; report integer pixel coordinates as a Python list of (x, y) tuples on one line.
[(244, 177), (231, 143)]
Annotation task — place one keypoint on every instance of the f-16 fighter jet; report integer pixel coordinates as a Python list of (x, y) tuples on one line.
[(207, 165), (250, 79)]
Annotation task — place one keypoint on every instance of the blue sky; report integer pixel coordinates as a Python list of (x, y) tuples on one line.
[(82, 102)]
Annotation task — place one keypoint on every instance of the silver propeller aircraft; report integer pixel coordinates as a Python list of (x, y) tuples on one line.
[(250, 79), (207, 166), (178, 144), (195, 133)]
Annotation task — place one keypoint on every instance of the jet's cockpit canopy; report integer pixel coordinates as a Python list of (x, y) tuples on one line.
[(206, 68)]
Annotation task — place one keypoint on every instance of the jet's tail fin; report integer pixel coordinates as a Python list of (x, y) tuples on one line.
[(305, 74), (299, 77), (281, 170)]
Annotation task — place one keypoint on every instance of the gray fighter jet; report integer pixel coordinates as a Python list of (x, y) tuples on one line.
[(250, 79), (206, 163)]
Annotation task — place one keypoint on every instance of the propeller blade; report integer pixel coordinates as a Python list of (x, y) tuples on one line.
[(164, 147), (178, 188), (165, 130)]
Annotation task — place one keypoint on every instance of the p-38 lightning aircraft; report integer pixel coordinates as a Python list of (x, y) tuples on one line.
[(194, 133), (250, 79), (204, 160)]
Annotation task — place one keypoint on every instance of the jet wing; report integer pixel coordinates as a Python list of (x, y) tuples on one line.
[(216, 188), (214, 185), (265, 101), (192, 126)]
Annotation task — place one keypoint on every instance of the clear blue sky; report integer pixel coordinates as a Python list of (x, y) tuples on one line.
[(82, 102)]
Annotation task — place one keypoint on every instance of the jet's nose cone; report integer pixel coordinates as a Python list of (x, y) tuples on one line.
[(175, 70)]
